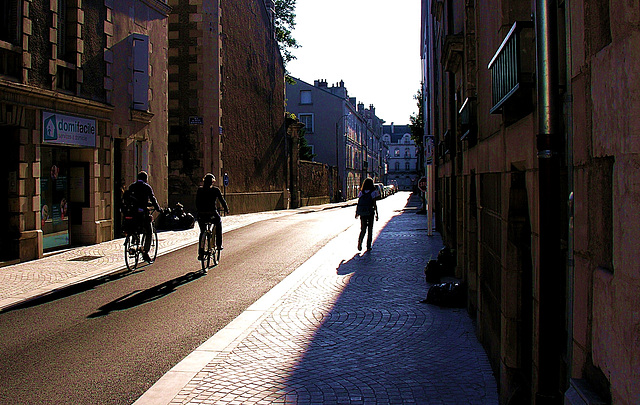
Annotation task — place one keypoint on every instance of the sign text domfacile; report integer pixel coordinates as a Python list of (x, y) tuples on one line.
[(68, 130)]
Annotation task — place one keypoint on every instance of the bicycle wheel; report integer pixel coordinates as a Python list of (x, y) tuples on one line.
[(153, 247), (153, 250), (215, 253), (205, 245), (131, 250)]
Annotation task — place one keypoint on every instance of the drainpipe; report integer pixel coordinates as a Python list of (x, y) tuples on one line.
[(551, 305)]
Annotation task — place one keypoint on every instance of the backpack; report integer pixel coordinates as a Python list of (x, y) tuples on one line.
[(129, 203), (130, 212), (365, 204)]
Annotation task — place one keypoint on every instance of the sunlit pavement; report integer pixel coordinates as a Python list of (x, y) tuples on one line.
[(22, 282), (346, 327)]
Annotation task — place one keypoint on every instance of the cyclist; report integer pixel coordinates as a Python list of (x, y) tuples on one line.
[(206, 198), (142, 195)]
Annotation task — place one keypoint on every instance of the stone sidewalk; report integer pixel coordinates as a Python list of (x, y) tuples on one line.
[(346, 327)]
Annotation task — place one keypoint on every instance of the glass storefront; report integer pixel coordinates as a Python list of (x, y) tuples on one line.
[(54, 196)]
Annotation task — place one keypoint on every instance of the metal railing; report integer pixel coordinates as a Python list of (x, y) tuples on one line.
[(511, 66)]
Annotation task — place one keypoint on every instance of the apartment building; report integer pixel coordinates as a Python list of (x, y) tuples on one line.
[(341, 131)]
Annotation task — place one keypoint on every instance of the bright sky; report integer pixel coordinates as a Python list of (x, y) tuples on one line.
[(373, 45)]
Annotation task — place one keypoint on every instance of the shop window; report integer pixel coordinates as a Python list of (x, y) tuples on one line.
[(54, 197)]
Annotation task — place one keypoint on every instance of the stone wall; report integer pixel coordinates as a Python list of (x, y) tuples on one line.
[(316, 183), (253, 121)]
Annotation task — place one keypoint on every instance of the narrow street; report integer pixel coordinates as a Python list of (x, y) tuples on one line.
[(110, 343)]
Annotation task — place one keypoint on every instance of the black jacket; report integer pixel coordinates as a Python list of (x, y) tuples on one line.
[(143, 194), (206, 200)]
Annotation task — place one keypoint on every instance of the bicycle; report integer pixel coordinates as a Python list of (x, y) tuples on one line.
[(135, 239), (207, 245)]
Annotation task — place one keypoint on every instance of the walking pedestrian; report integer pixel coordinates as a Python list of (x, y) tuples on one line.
[(366, 210)]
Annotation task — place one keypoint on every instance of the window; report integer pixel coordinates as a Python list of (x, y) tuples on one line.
[(9, 20), (397, 166), (396, 152), (406, 153), (307, 120), (305, 97), (406, 166), (67, 31)]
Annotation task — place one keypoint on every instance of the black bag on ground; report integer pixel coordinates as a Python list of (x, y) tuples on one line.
[(451, 294), (432, 272)]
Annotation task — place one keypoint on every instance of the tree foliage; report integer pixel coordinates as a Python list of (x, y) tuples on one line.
[(417, 121), (306, 152), (285, 22)]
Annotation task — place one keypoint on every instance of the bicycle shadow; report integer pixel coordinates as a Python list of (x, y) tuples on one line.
[(140, 297)]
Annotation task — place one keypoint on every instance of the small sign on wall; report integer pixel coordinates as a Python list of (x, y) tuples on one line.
[(68, 130)]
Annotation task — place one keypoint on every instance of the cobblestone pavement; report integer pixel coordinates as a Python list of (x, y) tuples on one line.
[(344, 328)]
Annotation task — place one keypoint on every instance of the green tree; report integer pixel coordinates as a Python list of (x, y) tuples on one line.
[(417, 121), (306, 153), (285, 22)]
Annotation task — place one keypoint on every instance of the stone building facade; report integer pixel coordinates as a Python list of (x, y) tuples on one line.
[(533, 107), (403, 170), (341, 131), (226, 103), (64, 65)]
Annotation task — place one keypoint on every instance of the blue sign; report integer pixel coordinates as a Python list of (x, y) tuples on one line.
[(225, 179)]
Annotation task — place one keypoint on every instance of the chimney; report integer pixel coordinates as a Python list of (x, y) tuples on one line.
[(320, 83), (361, 108), (372, 109), (392, 131)]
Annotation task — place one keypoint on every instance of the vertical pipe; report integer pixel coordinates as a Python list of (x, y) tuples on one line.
[(551, 270)]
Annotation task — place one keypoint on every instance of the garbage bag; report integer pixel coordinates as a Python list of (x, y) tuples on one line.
[(450, 294)]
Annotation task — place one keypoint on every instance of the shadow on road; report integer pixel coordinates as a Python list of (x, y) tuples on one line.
[(140, 297), (377, 342)]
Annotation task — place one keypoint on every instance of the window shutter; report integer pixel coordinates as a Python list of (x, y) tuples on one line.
[(140, 72)]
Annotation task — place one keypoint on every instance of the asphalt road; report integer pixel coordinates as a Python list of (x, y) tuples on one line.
[(109, 341)]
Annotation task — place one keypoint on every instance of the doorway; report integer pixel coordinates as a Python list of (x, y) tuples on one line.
[(9, 186)]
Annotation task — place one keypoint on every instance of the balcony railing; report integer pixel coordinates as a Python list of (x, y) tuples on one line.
[(512, 67)]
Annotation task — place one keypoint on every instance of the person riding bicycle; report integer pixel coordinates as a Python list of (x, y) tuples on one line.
[(142, 195), (206, 198)]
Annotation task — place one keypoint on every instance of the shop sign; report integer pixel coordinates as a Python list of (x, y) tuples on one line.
[(68, 130)]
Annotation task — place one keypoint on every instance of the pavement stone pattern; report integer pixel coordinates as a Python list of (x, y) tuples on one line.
[(28, 280), (354, 332)]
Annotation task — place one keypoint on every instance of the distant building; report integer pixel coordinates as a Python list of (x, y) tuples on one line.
[(403, 156), (340, 131)]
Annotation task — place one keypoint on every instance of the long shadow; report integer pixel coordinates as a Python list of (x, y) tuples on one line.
[(140, 297), (74, 289), (375, 342)]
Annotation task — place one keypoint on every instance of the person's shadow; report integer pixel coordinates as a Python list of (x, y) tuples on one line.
[(376, 343), (140, 297)]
